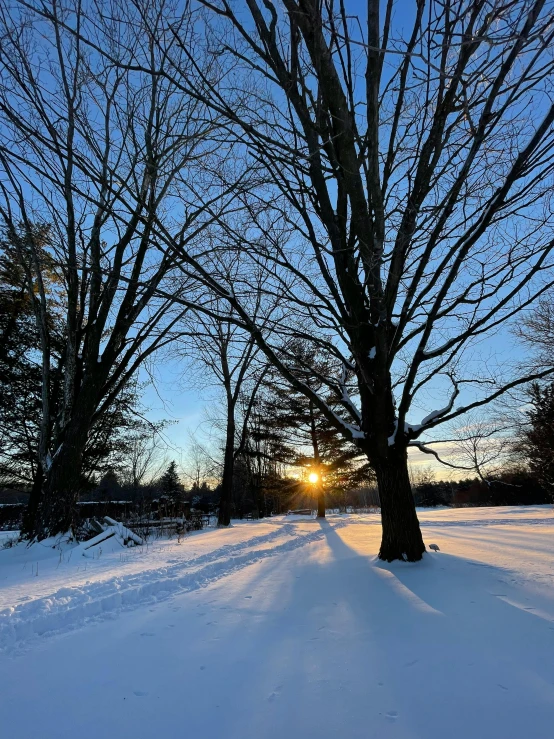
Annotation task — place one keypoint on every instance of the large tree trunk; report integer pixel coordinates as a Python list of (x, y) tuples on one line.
[(321, 500), (28, 526), (52, 507), (401, 537), (56, 512), (58, 509), (225, 502)]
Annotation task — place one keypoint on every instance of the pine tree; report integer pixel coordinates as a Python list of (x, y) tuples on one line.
[(109, 487), (537, 443), (112, 433), (170, 484), (310, 442), (20, 370), (263, 459)]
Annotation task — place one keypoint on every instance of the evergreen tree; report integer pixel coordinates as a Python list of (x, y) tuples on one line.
[(20, 370), (112, 432), (109, 487), (537, 442), (261, 464), (170, 485), (307, 440)]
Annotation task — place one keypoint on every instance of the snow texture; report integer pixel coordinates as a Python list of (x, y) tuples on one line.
[(286, 629)]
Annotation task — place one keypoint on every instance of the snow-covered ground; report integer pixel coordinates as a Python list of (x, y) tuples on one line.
[(286, 629)]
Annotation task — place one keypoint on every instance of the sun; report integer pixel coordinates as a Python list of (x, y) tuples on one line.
[(313, 477)]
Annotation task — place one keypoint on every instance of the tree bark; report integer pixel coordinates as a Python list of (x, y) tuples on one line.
[(320, 500), (317, 460), (28, 526), (225, 502), (401, 537), (56, 511)]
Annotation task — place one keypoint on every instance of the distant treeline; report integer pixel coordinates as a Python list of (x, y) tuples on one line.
[(511, 487), (125, 502)]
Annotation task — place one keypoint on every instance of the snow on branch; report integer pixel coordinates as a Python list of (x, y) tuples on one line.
[(431, 418), (345, 398)]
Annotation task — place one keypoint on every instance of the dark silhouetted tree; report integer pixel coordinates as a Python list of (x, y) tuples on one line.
[(170, 485), (537, 439)]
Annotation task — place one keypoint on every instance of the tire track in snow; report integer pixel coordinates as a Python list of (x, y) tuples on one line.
[(70, 608), (103, 575)]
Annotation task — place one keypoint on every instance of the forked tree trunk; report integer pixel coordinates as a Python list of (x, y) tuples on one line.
[(52, 506), (57, 512), (401, 535)]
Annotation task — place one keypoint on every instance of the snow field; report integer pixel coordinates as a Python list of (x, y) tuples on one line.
[(286, 630), (104, 597)]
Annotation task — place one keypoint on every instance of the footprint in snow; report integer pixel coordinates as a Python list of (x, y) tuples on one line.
[(140, 693), (392, 715), (412, 663), (502, 686), (148, 633), (247, 597), (202, 667)]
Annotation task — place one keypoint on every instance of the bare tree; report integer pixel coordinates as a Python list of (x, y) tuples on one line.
[(482, 445), (145, 459), (198, 465), (406, 208), (230, 355), (536, 331), (98, 154), (403, 210)]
